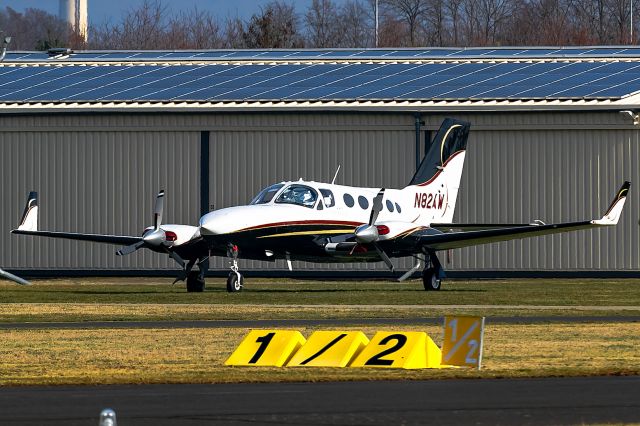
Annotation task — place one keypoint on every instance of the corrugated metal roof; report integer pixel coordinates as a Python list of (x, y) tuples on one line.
[(535, 78)]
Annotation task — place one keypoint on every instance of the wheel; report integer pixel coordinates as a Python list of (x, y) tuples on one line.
[(430, 279), (194, 283), (234, 282)]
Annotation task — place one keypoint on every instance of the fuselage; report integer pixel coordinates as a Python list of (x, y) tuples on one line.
[(296, 219)]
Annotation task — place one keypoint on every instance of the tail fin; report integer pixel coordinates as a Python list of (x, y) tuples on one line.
[(612, 215), (29, 221), (434, 187)]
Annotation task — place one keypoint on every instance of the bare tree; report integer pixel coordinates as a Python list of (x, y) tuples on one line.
[(276, 26), (453, 10), (355, 25), (619, 12), (194, 30), (410, 11), (233, 37), (435, 25), (322, 21), (34, 29)]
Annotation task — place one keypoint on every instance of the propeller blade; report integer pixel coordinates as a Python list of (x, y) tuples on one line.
[(157, 211), (384, 256), (376, 208), (129, 249)]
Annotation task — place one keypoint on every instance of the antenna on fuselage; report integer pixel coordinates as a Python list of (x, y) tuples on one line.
[(336, 175)]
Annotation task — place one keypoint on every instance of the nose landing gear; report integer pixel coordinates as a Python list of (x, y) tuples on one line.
[(235, 280)]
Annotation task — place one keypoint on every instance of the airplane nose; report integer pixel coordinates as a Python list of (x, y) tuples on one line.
[(216, 223)]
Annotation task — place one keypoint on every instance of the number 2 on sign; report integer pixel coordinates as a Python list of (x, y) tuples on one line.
[(377, 358), (473, 348)]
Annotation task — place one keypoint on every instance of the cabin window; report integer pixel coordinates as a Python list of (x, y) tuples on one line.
[(398, 208), (300, 195), (267, 194), (348, 200), (390, 206), (363, 202), (327, 196)]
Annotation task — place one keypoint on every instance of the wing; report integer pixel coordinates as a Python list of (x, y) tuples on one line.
[(29, 226), (98, 238), (456, 236)]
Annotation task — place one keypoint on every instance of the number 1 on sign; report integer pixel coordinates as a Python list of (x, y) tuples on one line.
[(453, 324), (264, 342)]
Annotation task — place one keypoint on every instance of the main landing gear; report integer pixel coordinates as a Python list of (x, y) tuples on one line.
[(432, 273), (195, 279), (235, 279)]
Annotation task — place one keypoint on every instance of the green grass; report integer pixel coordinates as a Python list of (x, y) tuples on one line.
[(145, 299), (549, 292), (102, 356), (107, 356)]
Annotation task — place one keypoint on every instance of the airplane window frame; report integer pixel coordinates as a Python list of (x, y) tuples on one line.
[(294, 202), (363, 202), (264, 191), (390, 207), (327, 193), (350, 197)]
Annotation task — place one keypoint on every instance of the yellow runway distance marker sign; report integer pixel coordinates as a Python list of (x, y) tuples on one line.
[(266, 348), (329, 349), (409, 350), (463, 340)]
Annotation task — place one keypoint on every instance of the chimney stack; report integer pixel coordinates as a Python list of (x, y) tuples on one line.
[(75, 13)]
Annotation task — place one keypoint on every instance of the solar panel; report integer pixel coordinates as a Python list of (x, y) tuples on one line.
[(246, 80)]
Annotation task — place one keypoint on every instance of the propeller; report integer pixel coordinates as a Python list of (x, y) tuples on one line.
[(369, 233), (154, 238)]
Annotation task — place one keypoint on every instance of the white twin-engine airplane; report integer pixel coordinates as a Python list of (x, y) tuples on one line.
[(322, 222)]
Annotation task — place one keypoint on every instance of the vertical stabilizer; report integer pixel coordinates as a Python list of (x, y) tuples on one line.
[(29, 221), (434, 187)]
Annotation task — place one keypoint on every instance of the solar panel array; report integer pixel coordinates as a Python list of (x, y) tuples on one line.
[(290, 54), (337, 81)]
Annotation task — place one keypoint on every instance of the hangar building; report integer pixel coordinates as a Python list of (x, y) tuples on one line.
[(97, 134)]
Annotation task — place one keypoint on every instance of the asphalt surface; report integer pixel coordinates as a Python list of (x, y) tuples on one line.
[(309, 322), (555, 401)]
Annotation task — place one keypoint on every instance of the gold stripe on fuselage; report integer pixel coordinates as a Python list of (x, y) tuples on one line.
[(317, 232)]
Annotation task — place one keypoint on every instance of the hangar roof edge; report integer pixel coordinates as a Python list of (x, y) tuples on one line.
[(631, 103)]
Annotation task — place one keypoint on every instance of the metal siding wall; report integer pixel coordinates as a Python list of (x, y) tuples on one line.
[(103, 182), (245, 161), (100, 173), (554, 176)]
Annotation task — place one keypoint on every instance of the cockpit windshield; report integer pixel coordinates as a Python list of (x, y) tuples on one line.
[(267, 194), (298, 194)]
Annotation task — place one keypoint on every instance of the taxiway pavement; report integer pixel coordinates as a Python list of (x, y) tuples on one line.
[(546, 401)]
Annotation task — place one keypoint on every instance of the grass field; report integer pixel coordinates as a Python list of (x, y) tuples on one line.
[(107, 356), (119, 299), (104, 356)]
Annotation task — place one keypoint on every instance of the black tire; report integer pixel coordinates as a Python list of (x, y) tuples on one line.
[(234, 282), (430, 280), (194, 283)]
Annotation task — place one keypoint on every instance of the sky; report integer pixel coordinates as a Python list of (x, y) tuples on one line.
[(101, 11)]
